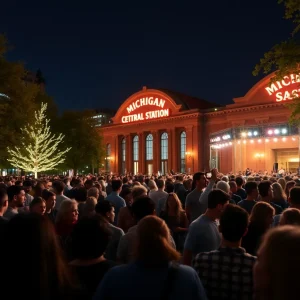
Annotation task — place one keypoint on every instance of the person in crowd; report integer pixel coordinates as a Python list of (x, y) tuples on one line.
[(88, 184), (152, 275), (125, 218), (282, 182), (50, 199), (290, 216), (38, 206), (16, 199), (180, 190), (27, 185), (279, 196), (3, 208), (58, 187), (225, 187), (80, 195), (233, 278), (38, 189), (251, 189), (240, 191), (261, 219), (152, 187), (275, 272), (290, 184), (103, 188), (89, 207), (161, 204), (294, 200), (94, 192), (115, 199), (266, 195), (43, 273), (102, 195), (176, 219), (138, 191), (203, 234), (107, 211), (90, 238), (233, 190), (66, 219), (159, 194)]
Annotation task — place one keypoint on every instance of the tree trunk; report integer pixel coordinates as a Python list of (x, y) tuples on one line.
[(35, 175)]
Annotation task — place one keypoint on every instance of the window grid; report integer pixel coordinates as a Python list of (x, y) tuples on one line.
[(183, 151), (149, 147), (136, 148), (164, 146)]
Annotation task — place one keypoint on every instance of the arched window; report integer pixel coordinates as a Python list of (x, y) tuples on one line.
[(123, 153), (135, 147), (182, 152), (108, 157), (149, 147), (164, 152)]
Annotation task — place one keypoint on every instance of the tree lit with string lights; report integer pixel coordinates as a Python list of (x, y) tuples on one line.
[(39, 147)]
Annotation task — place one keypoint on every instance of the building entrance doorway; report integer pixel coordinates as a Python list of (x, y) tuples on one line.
[(287, 159)]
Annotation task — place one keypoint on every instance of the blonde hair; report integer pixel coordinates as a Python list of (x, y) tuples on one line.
[(152, 185), (280, 253), (282, 182), (138, 191), (179, 209), (65, 207), (260, 211), (290, 216), (153, 246), (93, 191), (278, 192), (89, 207)]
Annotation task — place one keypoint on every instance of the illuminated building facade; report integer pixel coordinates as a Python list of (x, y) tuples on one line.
[(155, 131)]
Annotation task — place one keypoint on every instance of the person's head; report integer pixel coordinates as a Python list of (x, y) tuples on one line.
[(89, 207), (3, 201), (79, 194), (116, 185), (93, 192), (160, 184), (223, 186), (217, 200), (138, 191), (233, 223), (16, 195), (169, 187), (152, 185), (106, 210), (142, 207), (265, 189), (282, 182), (288, 187), (173, 203), (233, 186), (27, 185), (50, 199), (45, 265), (90, 238), (278, 192), (294, 197), (278, 262), (153, 242), (38, 206), (251, 189), (68, 212), (199, 181), (58, 187), (126, 194), (262, 214), (239, 181), (290, 216)]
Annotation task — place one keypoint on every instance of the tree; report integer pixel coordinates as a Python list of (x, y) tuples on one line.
[(84, 139), (284, 58), (24, 97), (40, 146)]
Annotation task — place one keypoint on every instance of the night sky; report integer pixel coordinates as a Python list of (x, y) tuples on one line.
[(95, 54)]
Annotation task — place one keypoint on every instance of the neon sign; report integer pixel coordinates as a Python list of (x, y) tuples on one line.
[(289, 92), (142, 114)]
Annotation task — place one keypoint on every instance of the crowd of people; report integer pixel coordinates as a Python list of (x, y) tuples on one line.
[(150, 237)]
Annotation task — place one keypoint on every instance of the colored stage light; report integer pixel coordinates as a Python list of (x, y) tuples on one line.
[(267, 140), (251, 141), (243, 134), (270, 131), (255, 133), (249, 133), (239, 142), (276, 131), (259, 140), (284, 139), (284, 131), (244, 142), (275, 140), (293, 139)]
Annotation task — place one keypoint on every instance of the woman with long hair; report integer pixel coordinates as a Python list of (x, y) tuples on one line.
[(288, 187), (275, 272), (279, 196), (261, 219), (41, 271), (153, 274), (176, 219)]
